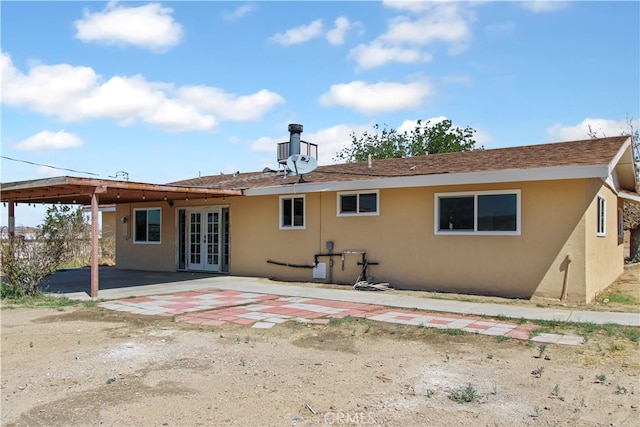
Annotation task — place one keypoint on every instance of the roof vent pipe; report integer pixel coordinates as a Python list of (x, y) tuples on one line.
[(369, 161), (294, 139)]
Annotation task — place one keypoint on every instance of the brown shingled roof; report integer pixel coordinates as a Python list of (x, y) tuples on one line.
[(600, 151)]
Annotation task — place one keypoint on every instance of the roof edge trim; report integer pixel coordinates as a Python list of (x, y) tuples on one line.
[(490, 177)]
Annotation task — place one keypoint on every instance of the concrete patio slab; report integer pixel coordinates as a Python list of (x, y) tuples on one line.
[(121, 284)]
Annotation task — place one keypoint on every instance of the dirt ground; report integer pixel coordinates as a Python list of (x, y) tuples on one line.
[(87, 366)]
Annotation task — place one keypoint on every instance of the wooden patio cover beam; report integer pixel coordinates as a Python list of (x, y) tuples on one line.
[(73, 190), (92, 192)]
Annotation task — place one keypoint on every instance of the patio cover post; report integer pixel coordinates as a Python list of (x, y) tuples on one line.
[(12, 218), (94, 241)]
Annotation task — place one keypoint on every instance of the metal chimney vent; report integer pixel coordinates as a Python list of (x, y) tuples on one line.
[(295, 145)]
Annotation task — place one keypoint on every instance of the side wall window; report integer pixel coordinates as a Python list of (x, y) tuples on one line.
[(602, 217), (292, 212), (478, 213), (620, 223), (147, 225), (358, 203)]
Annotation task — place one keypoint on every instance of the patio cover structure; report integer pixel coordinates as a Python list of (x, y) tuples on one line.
[(93, 192)]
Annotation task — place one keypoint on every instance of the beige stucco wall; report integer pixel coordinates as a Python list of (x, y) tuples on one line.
[(108, 224), (605, 254), (411, 256), (556, 221), (143, 256)]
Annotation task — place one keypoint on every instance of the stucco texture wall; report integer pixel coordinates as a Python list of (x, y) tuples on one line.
[(605, 253), (555, 255), (547, 259), (145, 256)]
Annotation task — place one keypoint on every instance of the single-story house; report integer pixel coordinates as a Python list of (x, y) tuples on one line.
[(539, 220)]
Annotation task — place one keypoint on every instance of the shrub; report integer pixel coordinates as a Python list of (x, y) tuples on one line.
[(25, 264)]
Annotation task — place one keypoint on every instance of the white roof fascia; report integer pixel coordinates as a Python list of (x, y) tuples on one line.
[(491, 177), (612, 183), (619, 154), (630, 197)]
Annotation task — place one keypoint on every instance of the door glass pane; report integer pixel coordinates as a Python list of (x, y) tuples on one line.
[(216, 238), (497, 212), (195, 237), (209, 239), (456, 213)]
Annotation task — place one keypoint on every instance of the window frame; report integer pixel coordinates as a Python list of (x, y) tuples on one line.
[(601, 216), (475, 231), (281, 212), (620, 223), (135, 226), (357, 194)]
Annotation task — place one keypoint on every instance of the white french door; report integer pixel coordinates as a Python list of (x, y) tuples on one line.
[(204, 242)]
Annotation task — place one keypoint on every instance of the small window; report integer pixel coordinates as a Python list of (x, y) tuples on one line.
[(358, 203), (478, 213), (147, 225), (292, 212), (620, 223), (602, 216)]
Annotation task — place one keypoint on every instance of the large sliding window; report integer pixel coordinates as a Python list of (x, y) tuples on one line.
[(495, 212), (292, 212), (147, 225)]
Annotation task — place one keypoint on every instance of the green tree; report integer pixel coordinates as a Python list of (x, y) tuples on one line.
[(425, 138), (25, 264)]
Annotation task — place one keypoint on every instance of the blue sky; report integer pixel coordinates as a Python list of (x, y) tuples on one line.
[(171, 90)]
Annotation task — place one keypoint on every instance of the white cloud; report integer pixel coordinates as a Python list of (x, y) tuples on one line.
[(376, 54), (47, 140), (601, 127), (409, 125), (407, 36), (483, 138), (150, 26), (299, 34), (178, 117), (446, 23), (79, 93), (239, 12), (542, 6), (338, 33), (46, 172), (48, 89), (229, 106), (410, 5), (375, 98), (267, 144), (333, 139)]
